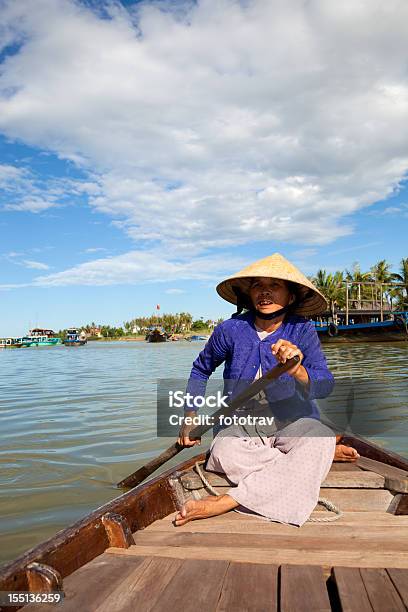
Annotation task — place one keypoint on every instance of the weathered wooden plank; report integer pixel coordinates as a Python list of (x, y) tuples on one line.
[(354, 480), (381, 591), (395, 478), (191, 480), (312, 530), (351, 590), (250, 587), (303, 588), (94, 582), (358, 500), (351, 500), (344, 466), (399, 578), (401, 508), (364, 542), (234, 522), (296, 556), (196, 586), (118, 530), (142, 588), (43, 578), (344, 479)]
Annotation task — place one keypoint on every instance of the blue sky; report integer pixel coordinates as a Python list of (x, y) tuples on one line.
[(144, 157)]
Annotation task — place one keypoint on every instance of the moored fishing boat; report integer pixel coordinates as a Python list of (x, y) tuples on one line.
[(364, 327), (10, 343), (156, 334), (128, 555), (75, 338), (40, 337)]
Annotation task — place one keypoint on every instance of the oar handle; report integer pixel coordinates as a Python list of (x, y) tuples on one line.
[(146, 470)]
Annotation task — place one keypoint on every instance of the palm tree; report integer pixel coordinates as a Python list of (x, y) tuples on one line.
[(355, 277), (331, 285), (403, 278), (381, 274)]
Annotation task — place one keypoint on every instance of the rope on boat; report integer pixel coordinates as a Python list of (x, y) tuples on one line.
[(203, 478), (322, 500), (329, 506)]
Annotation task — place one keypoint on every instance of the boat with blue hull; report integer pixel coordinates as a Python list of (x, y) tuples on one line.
[(363, 327), (75, 338)]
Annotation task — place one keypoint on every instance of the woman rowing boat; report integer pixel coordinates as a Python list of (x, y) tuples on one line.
[(277, 471)]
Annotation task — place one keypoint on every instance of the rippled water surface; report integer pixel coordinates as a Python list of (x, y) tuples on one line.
[(74, 422)]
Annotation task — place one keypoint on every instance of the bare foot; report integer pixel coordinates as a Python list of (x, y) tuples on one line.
[(345, 453), (204, 508)]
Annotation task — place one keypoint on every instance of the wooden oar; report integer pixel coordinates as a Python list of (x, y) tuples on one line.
[(146, 470)]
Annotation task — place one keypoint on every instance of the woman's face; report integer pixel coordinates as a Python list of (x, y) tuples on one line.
[(270, 294)]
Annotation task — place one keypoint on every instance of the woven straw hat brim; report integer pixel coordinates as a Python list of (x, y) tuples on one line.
[(275, 266)]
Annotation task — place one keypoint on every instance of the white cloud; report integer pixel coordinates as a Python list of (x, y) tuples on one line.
[(95, 250), (22, 189), (138, 267), (35, 265), (174, 291), (400, 210), (213, 124)]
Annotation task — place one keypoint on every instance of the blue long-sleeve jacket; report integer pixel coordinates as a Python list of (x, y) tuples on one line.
[(236, 343)]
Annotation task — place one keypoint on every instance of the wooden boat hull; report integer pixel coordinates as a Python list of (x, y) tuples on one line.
[(387, 331), (110, 527), (156, 337)]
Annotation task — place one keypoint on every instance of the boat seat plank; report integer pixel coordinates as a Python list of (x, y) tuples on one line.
[(381, 591), (397, 540), (399, 579), (354, 480), (303, 588), (233, 522), (351, 591), (93, 582), (358, 479), (357, 500), (395, 478), (344, 466), (297, 556), (141, 589), (196, 586), (351, 500), (249, 587)]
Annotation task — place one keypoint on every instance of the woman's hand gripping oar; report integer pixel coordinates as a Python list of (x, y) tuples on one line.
[(146, 470)]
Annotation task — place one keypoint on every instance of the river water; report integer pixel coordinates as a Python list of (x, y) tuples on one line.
[(74, 421)]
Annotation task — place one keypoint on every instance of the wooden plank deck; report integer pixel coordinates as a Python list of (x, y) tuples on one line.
[(161, 584), (366, 535), (358, 563)]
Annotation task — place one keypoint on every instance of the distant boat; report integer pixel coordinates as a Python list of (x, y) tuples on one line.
[(364, 327), (10, 343), (40, 337), (156, 335), (75, 338), (198, 338)]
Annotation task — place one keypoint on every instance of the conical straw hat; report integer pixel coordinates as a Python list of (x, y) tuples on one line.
[(312, 302)]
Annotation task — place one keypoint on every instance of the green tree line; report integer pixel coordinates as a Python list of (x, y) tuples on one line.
[(178, 323)]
